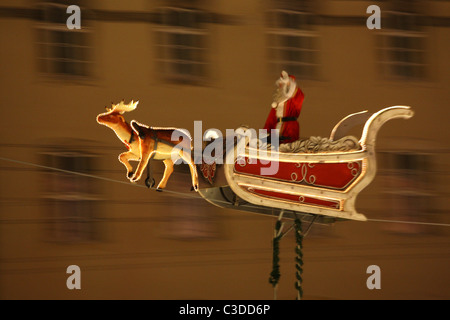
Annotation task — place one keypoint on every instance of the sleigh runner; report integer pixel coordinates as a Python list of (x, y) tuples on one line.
[(324, 183)]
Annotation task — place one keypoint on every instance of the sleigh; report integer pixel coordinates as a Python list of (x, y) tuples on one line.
[(321, 184)]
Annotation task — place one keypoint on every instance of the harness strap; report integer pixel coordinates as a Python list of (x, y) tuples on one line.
[(131, 138), (130, 141), (155, 137), (286, 119)]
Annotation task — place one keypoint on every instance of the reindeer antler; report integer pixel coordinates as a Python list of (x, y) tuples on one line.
[(121, 107)]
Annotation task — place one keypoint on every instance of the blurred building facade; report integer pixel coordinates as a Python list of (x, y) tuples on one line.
[(215, 61)]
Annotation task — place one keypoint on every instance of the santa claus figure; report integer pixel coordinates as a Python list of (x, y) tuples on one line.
[(286, 107)]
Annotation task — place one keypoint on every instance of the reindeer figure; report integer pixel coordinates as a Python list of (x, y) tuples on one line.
[(115, 120), (145, 143)]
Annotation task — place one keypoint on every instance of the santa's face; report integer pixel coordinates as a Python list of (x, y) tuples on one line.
[(281, 92)]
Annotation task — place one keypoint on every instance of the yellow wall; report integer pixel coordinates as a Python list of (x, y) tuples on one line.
[(134, 259)]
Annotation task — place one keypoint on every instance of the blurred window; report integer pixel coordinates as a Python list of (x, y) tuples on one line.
[(402, 46), (61, 51), (69, 199), (292, 40), (182, 44), (188, 218), (407, 184)]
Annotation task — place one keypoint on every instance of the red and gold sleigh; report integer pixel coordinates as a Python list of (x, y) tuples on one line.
[(322, 184)]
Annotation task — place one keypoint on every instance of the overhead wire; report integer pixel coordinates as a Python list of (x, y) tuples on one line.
[(187, 195)]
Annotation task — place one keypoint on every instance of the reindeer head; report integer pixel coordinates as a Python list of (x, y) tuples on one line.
[(114, 115)]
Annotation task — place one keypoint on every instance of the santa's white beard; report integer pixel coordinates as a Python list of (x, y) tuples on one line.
[(278, 97)]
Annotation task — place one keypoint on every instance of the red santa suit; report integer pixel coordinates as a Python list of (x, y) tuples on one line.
[(284, 114)]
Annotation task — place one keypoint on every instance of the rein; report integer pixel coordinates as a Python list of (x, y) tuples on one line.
[(130, 141)]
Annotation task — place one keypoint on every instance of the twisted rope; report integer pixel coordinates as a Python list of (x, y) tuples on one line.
[(275, 274), (299, 258)]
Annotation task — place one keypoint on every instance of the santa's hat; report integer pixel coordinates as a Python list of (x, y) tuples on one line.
[(285, 76)]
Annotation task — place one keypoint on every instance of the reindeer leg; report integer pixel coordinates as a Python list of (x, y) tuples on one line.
[(124, 158), (147, 150), (149, 181), (192, 167), (167, 172)]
